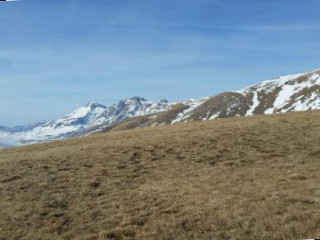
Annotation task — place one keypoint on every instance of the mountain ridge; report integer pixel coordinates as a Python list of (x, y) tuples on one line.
[(89, 116), (298, 92)]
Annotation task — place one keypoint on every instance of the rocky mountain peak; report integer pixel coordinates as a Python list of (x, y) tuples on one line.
[(297, 92)]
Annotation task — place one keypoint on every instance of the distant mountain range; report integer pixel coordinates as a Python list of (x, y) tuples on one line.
[(299, 92)]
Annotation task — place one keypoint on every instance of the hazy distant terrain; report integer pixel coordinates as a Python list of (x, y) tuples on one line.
[(237, 178), (2, 145)]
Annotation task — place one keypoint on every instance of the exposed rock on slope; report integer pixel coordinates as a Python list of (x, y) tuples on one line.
[(297, 92), (289, 93), (83, 121)]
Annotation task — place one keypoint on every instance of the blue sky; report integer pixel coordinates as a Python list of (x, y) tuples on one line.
[(58, 55)]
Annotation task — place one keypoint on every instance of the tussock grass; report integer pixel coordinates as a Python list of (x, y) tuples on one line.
[(240, 178)]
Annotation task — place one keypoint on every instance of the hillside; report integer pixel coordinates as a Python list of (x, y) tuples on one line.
[(236, 178), (298, 92)]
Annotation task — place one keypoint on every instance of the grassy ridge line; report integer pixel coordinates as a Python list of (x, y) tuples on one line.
[(239, 178)]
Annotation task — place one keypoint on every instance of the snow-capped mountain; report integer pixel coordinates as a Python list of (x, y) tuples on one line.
[(84, 118), (297, 92)]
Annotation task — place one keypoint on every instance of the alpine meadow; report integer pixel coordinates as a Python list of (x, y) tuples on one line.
[(238, 178), (160, 120)]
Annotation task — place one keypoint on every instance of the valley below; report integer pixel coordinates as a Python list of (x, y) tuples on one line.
[(253, 177)]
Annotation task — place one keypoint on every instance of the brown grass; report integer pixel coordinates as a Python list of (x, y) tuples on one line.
[(161, 118), (239, 178), (227, 104)]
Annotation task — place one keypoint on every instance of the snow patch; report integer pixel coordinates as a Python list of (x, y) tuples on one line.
[(254, 105), (214, 116)]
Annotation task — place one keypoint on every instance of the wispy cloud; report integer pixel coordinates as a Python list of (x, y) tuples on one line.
[(277, 28), (157, 25), (247, 27)]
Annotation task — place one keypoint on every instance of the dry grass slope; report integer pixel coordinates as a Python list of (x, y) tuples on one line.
[(161, 118), (240, 178), (228, 104)]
